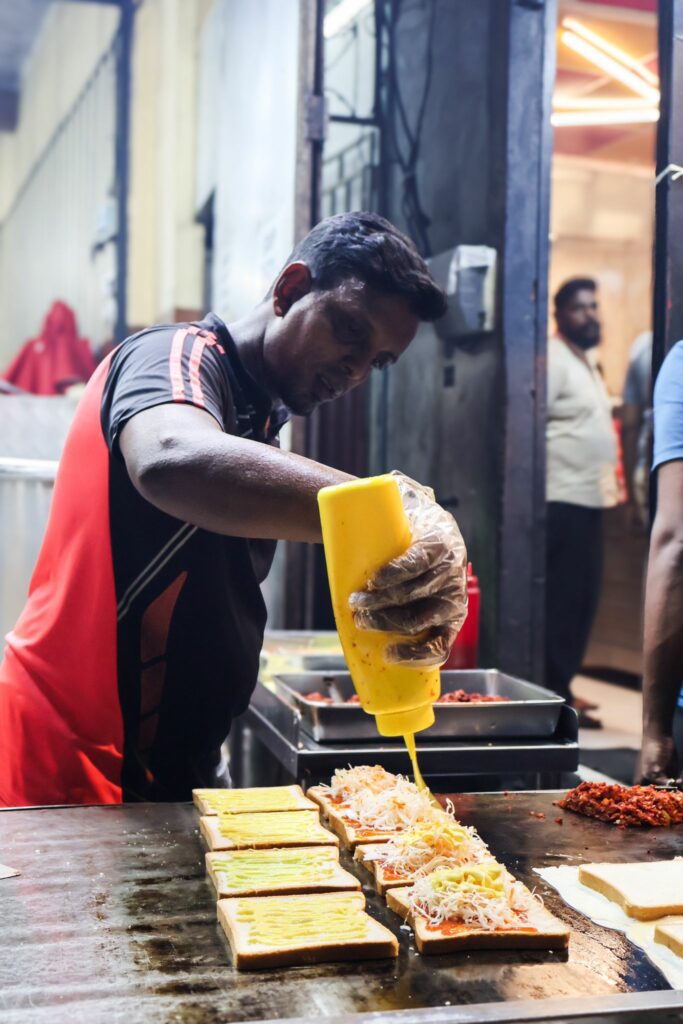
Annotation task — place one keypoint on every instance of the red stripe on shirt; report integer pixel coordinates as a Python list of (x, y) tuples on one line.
[(195, 359), (175, 365)]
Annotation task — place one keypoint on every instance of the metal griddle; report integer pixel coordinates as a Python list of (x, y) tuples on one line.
[(112, 920), (531, 711)]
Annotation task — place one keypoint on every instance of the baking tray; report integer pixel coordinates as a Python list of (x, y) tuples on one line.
[(530, 712)]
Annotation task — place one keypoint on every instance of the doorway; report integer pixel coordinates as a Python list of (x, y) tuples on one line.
[(605, 112)]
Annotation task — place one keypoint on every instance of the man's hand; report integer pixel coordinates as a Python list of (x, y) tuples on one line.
[(422, 595), (658, 764)]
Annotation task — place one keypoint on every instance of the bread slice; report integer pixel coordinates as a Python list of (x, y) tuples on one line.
[(383, 878), (302, 869), (670, 935), (645, 891), (259, 798), (351, 832), (297, 930), (451, 937), (264, 829)]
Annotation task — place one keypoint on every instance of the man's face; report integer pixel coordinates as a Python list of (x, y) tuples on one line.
[(324, 343), (578, 320)]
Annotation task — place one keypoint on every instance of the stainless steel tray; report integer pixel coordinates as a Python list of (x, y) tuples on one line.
[(531, 710)]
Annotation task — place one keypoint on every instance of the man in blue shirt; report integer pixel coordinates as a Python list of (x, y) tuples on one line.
[(663, 639)]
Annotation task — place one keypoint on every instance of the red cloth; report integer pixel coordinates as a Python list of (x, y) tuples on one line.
[(55, 359)]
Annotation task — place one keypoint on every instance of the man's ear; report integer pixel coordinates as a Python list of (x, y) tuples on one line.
[(293, 283)]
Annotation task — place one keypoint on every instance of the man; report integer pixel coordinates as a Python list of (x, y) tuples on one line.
[(140, 639), (581, 482), (660, 760)]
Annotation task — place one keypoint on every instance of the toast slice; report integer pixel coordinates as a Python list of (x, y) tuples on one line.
[(300, 869), (259, 798), (451, 937), (383, 878), (288, 931), (263, 829), (670, 935), (644, 891), (350, 831)]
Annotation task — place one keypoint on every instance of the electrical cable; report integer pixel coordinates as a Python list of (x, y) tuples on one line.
[(415, 216)]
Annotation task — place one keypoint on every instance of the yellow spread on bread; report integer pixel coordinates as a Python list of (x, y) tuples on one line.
[(272, 868), (259, 799), (282, 921), (285, 826)]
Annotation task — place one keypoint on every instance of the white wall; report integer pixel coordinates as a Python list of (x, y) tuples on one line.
[(248, 136), (47, 231), (57, 172), (71, 39)]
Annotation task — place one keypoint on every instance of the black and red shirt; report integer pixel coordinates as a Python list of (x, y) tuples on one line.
[(141, 635)]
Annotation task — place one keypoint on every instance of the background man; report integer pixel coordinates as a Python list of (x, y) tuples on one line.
[(581, 482), (660, 761), (140, 639)]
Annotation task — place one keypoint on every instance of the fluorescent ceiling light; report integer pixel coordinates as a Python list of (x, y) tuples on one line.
[(609, 48), (342, 15), (596, 103), (585, 118), (610, 66)]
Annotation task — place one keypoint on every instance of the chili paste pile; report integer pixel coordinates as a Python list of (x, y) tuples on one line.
[(625, 805)]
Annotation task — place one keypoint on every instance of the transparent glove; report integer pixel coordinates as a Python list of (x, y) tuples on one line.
[(422, 595)]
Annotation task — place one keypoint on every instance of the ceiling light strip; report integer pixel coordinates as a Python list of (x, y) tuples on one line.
[(610, 66), (599, 103), (588, 118), (609, 48)]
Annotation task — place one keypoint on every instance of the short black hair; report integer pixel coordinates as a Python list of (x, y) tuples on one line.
[(366, 246), (566, 292)]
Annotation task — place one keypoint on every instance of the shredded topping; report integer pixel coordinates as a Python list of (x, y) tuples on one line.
[(348, 782), (373, 798), (440, 842), (480, 896)]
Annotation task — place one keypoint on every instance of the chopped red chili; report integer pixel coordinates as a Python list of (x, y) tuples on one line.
[(625, 806), (463, 697)]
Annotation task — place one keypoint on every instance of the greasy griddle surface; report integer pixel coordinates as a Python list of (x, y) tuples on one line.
[(112, 919)]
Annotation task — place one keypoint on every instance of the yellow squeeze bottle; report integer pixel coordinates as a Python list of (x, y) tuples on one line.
[(364, 527)]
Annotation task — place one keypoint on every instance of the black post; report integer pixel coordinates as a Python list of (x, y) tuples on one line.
[(317, 144), (523, 308), (123, 107), (668, 255)]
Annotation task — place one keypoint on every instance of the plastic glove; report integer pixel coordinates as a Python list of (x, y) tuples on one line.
[(421, 595)]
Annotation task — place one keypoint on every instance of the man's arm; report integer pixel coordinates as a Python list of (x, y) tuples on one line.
[(663, 648), (180, 460)]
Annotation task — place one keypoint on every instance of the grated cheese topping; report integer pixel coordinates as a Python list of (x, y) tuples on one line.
[(400, 806), (440, 842), (482, 896), (346, 783)]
